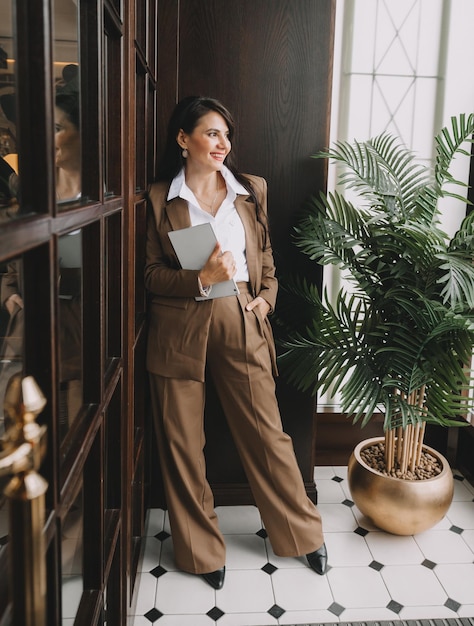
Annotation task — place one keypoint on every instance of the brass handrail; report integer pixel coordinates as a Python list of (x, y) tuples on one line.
[(22, 449)]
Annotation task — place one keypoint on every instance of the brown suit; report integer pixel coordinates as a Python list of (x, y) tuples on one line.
[(174, 353), (235, 347)]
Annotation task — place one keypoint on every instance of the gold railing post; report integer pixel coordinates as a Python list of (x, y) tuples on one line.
[(23, 450), (25, 495)]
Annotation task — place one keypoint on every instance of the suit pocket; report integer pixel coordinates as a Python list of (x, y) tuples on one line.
[(267, 332)]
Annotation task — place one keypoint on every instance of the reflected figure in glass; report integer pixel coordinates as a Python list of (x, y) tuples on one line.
[(9, 196), (66, 76), (72, 557), (67, 142), (70, 328), (11, 327)]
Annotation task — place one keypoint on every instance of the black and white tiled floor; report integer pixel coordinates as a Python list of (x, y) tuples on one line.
[(373, 576)]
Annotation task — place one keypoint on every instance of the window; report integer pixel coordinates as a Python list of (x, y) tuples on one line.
[(400, 67)]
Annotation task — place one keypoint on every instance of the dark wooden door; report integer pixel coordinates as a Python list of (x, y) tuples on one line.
[(76, 261)]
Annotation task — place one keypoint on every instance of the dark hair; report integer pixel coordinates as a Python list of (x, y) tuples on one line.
[(186, 116), (69, 103), (70, 72), (8, 104)]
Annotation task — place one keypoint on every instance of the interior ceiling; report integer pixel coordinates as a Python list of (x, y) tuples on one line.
[(65, 20), (64, 23)]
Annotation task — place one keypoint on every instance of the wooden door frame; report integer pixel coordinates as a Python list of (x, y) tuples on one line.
[(105, 457)]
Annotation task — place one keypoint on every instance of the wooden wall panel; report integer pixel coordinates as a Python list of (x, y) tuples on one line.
[(167, 66), (270, 62)]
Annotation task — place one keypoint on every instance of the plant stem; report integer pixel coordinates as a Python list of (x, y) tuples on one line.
[(404, 445)]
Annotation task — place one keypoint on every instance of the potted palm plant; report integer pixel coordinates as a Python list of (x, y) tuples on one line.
[(398, 338)]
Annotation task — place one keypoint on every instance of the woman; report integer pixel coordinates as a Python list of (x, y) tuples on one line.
[(229, 338), (68, 187), (67, 141)]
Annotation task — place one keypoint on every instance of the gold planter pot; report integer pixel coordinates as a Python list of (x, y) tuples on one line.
[(401, 507)]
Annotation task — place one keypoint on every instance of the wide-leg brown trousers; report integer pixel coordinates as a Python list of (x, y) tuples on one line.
[(239, 361)]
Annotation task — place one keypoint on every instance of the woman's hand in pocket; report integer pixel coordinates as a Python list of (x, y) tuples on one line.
[(261, 304)]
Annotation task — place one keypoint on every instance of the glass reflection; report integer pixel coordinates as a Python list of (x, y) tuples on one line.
[(11, 327), (67, 137), (71, 559), (70, 328), (11, 361), (67, 141), (9, 206)]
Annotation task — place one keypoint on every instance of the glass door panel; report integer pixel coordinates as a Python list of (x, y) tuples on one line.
[(72, 561), (11, 326), (112, 121), (11, 362), (66, 73), (113, 235), (70, 329), (9, 182)]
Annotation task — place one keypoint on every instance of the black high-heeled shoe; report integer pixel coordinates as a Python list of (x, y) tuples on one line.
[(215, 579), (318, 560)]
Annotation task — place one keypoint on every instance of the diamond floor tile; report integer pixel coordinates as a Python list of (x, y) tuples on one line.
[(373, 576)]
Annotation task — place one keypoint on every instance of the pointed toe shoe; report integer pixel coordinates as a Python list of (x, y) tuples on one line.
[(215, 579), (318, 560)]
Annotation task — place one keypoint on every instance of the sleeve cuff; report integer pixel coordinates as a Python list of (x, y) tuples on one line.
[(204, 291)]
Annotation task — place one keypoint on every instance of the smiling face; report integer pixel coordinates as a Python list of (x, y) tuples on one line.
[(208, 145), (67, 141)]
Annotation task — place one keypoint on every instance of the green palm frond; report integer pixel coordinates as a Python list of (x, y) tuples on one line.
[(339, 227), (463, 239), (382, 171), (450, 142), (408, 321), (457, 281)]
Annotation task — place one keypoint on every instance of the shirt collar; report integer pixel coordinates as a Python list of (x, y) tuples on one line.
[(232, 182), (179, 188)]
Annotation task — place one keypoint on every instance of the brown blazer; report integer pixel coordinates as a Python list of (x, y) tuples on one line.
[(178, 325)]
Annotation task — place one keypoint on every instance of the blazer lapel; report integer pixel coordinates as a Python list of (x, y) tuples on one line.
[(178, 214), (246, 210)]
